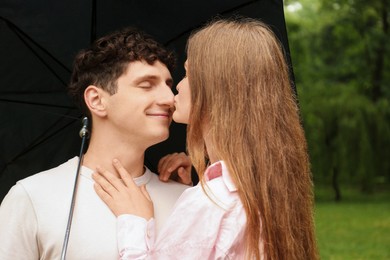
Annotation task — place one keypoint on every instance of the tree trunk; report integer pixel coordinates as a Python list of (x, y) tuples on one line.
[(377, 75), (335, 184)]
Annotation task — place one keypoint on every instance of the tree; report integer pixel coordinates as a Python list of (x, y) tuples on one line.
[(341, 61)]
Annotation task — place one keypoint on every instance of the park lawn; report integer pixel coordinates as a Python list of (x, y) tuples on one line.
[(354, 228)]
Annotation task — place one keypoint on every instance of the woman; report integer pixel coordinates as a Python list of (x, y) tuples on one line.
[(255, 199)]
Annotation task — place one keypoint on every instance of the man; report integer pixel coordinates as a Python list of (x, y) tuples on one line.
[(123, 82)]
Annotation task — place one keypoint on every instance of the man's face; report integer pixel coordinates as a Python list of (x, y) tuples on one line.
[(140, 111)]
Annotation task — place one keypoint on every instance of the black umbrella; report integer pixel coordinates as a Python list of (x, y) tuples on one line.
[(38, 41)]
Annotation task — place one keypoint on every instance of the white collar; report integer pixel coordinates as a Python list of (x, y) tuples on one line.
[(87, 173)]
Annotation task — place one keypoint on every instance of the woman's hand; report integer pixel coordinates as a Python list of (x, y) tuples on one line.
[(122, 196), (175, 166)]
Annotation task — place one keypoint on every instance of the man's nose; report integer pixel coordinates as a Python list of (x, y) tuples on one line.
[(167, 96)]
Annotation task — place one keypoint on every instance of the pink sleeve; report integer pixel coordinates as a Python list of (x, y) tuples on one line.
[(135, 236)]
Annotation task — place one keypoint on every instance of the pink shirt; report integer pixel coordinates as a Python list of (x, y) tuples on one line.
[(198, 228)]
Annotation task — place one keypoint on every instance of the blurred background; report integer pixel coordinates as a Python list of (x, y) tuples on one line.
[(340, 51)]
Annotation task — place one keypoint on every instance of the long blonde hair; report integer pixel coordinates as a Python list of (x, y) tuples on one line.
[(240, 89)]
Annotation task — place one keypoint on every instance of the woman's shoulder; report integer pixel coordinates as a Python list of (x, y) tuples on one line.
[(216, 193)]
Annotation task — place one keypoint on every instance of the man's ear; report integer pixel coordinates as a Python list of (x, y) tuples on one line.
[(94, 99)]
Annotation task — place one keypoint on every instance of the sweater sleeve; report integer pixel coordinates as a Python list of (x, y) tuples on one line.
[(18, 226)]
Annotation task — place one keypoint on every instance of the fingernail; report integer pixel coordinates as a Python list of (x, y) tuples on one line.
[(115, 160)]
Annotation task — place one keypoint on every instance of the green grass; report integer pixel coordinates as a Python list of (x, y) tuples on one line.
[(358, 227)]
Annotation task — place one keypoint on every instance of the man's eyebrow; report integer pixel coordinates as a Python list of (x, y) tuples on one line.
[(145, 78), (169, 81)]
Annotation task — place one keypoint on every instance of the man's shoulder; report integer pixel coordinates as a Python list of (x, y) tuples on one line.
[(52, 179), (171, 187), (169, 183), (45, 188), (52, 173)]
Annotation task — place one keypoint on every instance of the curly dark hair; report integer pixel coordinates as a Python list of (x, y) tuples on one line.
[(107, 58)]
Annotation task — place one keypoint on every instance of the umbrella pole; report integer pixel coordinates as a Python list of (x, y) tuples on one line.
[(84, 135)]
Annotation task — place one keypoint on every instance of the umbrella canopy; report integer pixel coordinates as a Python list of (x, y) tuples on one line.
[(39, 40)]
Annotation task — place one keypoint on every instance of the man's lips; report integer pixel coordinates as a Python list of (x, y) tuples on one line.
[(160, 114)]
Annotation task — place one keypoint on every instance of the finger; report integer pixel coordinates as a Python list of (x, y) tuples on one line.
[(169, 167), (104, 196), (145, 192), (180, 160), (100, 179), (184, 175), (110, 179), (164, 175), (161, 162), (165, 161), (124, 174)]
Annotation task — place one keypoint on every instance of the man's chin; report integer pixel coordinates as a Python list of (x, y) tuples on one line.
[(161, 138)]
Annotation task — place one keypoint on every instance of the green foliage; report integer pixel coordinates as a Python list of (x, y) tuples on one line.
[(341, 62)]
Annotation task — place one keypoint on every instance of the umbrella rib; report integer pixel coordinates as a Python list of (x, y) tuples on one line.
[(239, 6), (36, 104), (39, 140), (221, 13), (19, 32)]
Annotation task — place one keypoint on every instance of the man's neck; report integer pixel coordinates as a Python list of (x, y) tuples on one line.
[(102, 153)]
